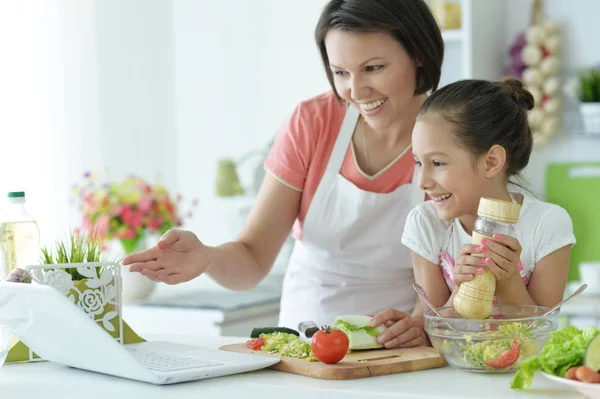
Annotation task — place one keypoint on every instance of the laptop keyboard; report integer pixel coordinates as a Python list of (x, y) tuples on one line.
[(166, 362)]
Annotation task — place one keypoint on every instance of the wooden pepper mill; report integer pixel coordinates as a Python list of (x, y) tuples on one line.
[(474, 299)]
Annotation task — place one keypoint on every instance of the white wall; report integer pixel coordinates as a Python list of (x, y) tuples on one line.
[(136, 100), (581, 49), (239, 72), (48, 104), (86, 85), (169, 87), (146, 87)]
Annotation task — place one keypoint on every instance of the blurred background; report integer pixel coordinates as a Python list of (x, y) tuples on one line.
[(188, 92)]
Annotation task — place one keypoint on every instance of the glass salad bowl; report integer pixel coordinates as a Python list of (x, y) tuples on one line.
[(498, 344)]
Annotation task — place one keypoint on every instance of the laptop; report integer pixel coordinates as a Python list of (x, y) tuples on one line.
[(59, 331)]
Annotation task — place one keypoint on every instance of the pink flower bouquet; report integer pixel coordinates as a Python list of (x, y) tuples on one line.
[(125, 210)]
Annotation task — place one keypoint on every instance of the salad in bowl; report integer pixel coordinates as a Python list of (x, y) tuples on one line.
[(499, 344)]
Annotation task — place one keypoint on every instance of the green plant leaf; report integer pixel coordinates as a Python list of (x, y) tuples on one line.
[(129, 245), (589, 81)]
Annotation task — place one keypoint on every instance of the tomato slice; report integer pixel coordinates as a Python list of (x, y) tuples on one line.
[(255, 343), (494, 326), (571, 373), (506, 358)]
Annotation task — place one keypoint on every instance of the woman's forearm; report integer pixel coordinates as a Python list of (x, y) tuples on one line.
[(243, 263), (234, 266)]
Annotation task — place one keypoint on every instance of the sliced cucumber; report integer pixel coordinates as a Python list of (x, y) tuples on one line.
[(591, 358), (268, 330)]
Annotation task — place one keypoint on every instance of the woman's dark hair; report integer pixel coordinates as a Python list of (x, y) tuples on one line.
[(487, 113), (409, 21)]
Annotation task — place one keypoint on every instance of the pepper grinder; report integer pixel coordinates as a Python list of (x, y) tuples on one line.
[(474, 299)]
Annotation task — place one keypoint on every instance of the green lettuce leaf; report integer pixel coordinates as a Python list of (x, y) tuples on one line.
[(347, 328), (564, 349)]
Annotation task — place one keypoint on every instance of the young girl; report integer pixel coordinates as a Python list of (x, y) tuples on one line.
[(471, 137)]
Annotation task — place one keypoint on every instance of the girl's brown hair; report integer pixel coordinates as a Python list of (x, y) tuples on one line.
[(487, 113)]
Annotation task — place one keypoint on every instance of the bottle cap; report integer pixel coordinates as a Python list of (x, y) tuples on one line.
[(16, 194), (502, 211)]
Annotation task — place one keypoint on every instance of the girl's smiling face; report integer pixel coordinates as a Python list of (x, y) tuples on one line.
[(451, 175)]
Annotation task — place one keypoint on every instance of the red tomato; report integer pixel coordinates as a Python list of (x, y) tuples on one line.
[(571, 373), (494, 326), (506, 358), (586, 374), (330, 346), (255, 343)]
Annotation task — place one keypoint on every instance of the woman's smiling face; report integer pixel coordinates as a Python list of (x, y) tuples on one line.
[(373, 72), (453, 178)]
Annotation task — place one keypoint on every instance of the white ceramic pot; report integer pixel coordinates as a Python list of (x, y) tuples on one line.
[(135, 286), (589, 273), (590, 115)]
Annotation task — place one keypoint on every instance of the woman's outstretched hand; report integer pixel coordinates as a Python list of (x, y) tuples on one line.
[(179, 256)]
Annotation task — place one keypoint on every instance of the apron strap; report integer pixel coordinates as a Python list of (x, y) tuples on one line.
[(336, 159), (343, 139)]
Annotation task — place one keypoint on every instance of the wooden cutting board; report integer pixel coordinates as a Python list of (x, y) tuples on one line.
[(360, 364)]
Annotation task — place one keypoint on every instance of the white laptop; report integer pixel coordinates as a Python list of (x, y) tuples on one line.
[(58, 331)]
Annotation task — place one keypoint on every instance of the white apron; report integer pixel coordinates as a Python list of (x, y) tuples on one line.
[(351, 259)]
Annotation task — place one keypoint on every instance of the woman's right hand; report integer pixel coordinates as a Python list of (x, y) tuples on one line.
[(178, 256), (468, 266)]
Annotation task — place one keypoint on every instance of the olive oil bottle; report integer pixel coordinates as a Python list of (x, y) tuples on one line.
[(19, 236)]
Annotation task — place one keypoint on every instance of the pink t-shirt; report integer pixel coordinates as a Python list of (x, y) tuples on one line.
[(301, 151)]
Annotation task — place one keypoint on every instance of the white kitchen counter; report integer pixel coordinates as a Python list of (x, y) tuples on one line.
[(206, 312), (48, 380)]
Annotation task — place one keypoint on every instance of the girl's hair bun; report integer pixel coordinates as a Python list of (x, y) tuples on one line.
[(519, 94)]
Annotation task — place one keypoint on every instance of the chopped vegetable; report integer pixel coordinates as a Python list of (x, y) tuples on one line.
[(360, 334), (564, 349), (498, 347), (275, 341), (586, 374), (296, 348), (255, 343), (571, 373), (257, 331), (592, 355), (287, 345), (506, 358)]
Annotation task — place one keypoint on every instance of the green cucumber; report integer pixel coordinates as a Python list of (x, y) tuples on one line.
[(268, 330), (591, 358)]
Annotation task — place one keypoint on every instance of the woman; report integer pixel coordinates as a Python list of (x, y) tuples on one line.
[(341, 174)]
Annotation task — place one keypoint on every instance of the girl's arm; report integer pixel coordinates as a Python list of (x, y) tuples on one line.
[(554, 229), (407, 331), (429, 276), (547, 284), (422, 232)]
